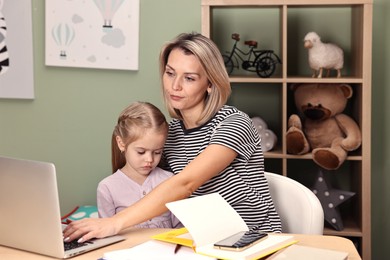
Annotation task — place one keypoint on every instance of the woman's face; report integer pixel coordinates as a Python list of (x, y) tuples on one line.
[(185, 83)]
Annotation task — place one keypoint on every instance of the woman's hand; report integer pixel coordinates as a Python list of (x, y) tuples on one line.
[(88, 228)]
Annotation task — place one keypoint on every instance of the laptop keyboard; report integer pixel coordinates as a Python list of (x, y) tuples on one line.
[(74, 244)]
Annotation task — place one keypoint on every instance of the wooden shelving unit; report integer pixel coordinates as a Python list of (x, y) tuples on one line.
[(289, 19)]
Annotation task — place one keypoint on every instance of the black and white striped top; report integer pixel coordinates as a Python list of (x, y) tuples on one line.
[(242, 184)]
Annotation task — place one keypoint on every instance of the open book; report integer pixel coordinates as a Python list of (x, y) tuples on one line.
[(208, 219)]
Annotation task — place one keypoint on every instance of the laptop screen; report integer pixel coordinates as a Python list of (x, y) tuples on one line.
[(30, 212)]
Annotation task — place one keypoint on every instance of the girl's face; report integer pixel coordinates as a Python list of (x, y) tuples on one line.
[(142, 155), (185, 83)]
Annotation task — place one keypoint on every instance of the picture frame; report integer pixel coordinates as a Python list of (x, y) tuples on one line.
[(16, 50), (102, 34)]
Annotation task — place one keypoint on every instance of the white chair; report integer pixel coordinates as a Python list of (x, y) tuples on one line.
[(299, 208)]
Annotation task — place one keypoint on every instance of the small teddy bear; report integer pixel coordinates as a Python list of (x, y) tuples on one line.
[(324, 130)]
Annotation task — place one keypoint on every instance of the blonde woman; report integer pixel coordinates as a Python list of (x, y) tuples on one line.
[(211, 147)]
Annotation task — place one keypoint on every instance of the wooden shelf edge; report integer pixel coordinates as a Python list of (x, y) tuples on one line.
[(255, 79), (347, 232), (308, 156), (281, 2)]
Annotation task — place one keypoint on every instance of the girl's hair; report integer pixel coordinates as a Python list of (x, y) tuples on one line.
[(211, 60), (132, 124)]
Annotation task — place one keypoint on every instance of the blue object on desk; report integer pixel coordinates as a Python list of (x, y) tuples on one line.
[(80, 212)]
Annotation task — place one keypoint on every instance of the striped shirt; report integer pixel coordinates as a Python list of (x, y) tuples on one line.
[(242, 184)]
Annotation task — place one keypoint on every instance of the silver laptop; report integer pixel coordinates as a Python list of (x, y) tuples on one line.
[(30, 216)]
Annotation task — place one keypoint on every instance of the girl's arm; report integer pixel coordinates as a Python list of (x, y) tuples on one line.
[(214, 159), (105, 203)]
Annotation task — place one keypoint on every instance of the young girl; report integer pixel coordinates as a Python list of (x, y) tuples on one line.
[(137, 144), (211, 147)]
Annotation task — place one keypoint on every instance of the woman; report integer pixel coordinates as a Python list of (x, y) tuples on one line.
[(211, 147)]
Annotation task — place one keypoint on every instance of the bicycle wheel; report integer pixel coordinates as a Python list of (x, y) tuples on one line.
[(275, 58), (265, 67), (228, 64)]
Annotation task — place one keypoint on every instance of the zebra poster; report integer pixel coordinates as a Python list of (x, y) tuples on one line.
[(16, 50), (99, 34)]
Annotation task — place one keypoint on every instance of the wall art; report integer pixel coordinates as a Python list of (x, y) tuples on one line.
[(16, 50), (100, 34)]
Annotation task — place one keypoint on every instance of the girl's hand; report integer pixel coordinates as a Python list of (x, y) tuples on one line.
[(88, 228)]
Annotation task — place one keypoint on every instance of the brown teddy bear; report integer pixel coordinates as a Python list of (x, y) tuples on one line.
[(325, 130)]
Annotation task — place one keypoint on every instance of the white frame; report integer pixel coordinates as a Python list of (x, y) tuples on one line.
[(17, 81), (78, 34)]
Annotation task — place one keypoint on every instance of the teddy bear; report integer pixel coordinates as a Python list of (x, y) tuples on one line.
[(324, 129)]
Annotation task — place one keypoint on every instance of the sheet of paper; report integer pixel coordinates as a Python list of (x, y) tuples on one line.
[(155, 250), (208, 218), (298, 252)]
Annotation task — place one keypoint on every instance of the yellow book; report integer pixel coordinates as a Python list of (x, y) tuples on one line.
[(174, 236)]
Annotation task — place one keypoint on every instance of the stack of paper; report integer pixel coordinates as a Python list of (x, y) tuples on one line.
[(154, 250), (297, 252)]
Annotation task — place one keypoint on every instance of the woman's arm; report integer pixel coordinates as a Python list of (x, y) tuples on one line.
[(209, 163)]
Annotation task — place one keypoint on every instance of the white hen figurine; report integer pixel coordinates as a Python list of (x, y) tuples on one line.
[(323, 55)]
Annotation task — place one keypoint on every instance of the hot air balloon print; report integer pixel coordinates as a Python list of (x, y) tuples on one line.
[(108, 9), (63, 34)]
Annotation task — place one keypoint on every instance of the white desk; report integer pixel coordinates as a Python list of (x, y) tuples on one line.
[(138, 236)]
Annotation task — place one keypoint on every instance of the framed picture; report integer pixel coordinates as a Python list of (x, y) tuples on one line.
[(16, 50), (100, 34)]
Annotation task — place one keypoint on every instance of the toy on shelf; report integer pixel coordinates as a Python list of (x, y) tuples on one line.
[(263, 62), (330, 199), (323, 55), (325, 129), (268, 138)]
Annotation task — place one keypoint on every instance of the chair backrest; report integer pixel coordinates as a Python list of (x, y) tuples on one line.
[(299, 208)]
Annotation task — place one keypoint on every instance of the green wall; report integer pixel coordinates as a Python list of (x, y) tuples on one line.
[(71, 118)]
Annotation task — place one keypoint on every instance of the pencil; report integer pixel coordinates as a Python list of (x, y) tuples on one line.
[(177, 248)]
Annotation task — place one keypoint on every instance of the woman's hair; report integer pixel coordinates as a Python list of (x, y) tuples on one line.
[(211, 60), (132, 124)]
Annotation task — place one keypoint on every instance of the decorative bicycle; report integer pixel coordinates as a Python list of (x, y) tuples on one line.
[(263, 62)]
